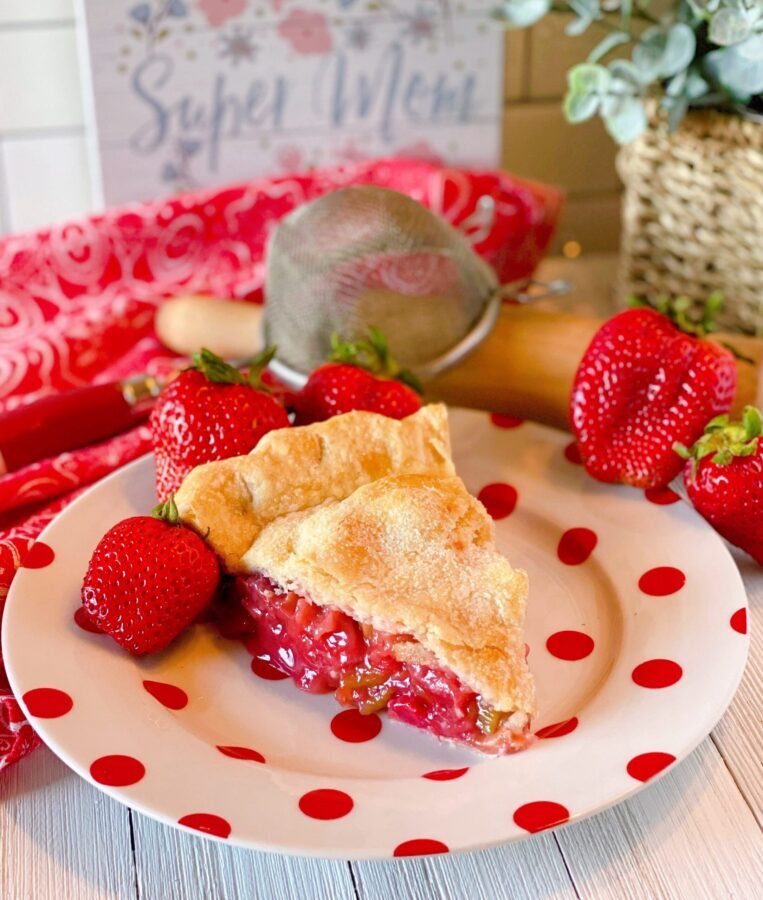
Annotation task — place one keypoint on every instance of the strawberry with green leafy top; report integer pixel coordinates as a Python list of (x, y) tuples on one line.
[(360, 375), (210, 411), (148, 579), (723, 475)]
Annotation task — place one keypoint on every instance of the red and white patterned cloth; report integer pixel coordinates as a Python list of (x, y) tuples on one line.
[(77, 305)]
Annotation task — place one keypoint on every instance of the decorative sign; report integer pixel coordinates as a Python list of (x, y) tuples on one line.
[(190, 93)]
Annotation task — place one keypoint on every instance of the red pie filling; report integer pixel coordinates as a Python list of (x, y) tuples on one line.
[(325, 651)]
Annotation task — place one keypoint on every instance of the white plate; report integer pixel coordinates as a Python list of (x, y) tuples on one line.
[(317, 794)]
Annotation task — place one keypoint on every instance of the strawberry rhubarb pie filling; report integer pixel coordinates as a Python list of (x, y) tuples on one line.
[(324, 650)]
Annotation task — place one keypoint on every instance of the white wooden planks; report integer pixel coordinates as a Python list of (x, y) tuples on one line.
[(739, 734), (178, 865), (59, 836), (690, 836), (531, 869)]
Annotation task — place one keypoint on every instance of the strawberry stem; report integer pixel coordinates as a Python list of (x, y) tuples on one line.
[(215, 369), (725, 440), (696, 321), (257, 365), (167, 511), (372, 354)]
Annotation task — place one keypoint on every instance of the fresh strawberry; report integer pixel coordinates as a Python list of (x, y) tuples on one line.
[(360, 375), (643, 384), (210, 411), (148, 579), (724, 479)]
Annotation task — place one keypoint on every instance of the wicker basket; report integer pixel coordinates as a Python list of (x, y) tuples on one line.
[(693, 215)]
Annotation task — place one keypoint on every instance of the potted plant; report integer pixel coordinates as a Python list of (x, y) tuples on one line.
[(678, 84)]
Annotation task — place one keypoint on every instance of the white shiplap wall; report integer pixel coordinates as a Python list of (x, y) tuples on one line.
[(44, 171)]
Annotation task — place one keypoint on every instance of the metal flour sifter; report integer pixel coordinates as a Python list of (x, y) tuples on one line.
[(367, 255)]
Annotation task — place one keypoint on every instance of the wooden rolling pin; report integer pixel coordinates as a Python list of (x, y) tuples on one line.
[(524, 368)]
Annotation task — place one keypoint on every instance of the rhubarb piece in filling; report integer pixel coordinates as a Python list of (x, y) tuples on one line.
[(326, 651)]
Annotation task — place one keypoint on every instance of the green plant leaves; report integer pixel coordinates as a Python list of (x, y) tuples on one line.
[(730, 26), (738, 69), (614, 92), (580, 107), (588, 85), (587, 11), (588, 78), (626, 120), (694, 53), (521, 13), (611, 41), (664, 50)]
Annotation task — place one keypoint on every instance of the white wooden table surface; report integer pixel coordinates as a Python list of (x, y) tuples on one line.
[(696, 833)]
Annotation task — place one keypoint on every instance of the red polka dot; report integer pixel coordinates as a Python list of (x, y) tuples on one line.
[(445, 774), (657, 673), (540, 815), (647, 765), (355, 728), (117, 770), (661, 581), (325, 803), (662, 496), (208, 823), (86, 622), (576, 545), (242, 753), (570, 645), (168, 695), (47, 703), (739, 621), (558, 729), (498, 499), (502, 421), (38, 556), (572, 454), (264, 670), (420, 847)]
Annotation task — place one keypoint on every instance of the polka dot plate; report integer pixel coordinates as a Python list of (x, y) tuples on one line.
[(637, 637)]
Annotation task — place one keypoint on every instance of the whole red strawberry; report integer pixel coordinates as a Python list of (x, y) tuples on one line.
[(210, 411), (148, 579), (724, 479), (361, 375), (643, 385)]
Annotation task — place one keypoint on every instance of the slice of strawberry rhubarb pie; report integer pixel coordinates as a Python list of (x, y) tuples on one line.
[(362, 566)]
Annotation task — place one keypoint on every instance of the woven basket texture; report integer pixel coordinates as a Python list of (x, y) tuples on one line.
[(693, 215)]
